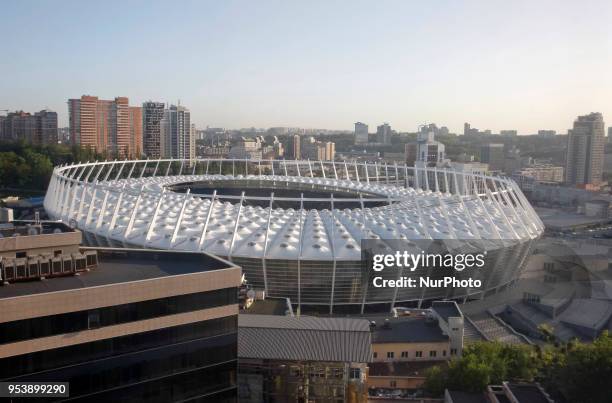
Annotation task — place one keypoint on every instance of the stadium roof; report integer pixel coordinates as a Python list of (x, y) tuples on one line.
[(133, 202)]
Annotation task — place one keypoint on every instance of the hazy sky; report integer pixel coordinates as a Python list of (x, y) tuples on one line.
[(325, 64)]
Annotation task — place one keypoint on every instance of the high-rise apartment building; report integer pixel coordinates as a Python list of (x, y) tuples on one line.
[(361, 133), (297, 147), (383, 134), (40, 128), (585, 151), (152, 113), (106, 126), (178, 136), (493, 154)]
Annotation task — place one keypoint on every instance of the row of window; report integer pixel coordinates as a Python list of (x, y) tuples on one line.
[(44, 326), (418, 354), (164, 362), (14, 366)]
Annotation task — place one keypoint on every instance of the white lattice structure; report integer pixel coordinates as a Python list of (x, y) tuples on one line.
[(312, 240)]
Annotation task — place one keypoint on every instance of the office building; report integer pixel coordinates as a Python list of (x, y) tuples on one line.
[(425, 150), (105, 126), (178, 136), (39, 129), (122, 325), (305, 359), (152, 114), (493, 155), (585, 151), (361, 133), (609, 138), (383, 134), (466, 129)]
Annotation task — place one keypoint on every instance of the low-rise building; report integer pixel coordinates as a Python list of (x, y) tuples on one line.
[(289, 359)]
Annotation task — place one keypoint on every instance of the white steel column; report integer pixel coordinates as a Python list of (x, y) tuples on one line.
[(155, 213), (231, 246), (265, 251), (210, 210), (177, 226)]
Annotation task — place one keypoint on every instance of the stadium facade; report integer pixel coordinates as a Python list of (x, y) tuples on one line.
[(296, 227)]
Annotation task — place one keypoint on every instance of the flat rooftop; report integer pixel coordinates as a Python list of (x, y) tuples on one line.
[(22, 228), (117, 265), (407, 330)]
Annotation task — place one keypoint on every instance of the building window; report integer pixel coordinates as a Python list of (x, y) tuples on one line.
[(20, 255), (355, 373), (93, 319), (57, 253), (455, 329), (393, 384), (390, 354), (375, 354), (443, 353), (453, 351), (433, 353), (404, 354), (418, 354)]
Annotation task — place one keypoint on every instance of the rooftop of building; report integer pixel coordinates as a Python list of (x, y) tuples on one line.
[(30, 228), (118, 265), (467, 397), (267, 307), (446, 309), (414, 329), (305, 338)]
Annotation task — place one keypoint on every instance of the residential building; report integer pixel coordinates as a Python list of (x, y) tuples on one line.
[(40, 128), (361, 133), (129, 325), (249, 148), (106, 126), (297, 147), (319, 150), (403, 347), (541, 173), (152, 114), (493, 154), (383, 134), (435, 336), (290, 359), (609, 138), (178, 136), (547, 133), (585, 151), (466, 129), (508, 132)]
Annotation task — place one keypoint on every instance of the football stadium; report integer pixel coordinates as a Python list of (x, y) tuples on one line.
[(297, 228)]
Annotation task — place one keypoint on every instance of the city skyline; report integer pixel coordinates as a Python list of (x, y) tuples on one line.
[(501, 67)]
